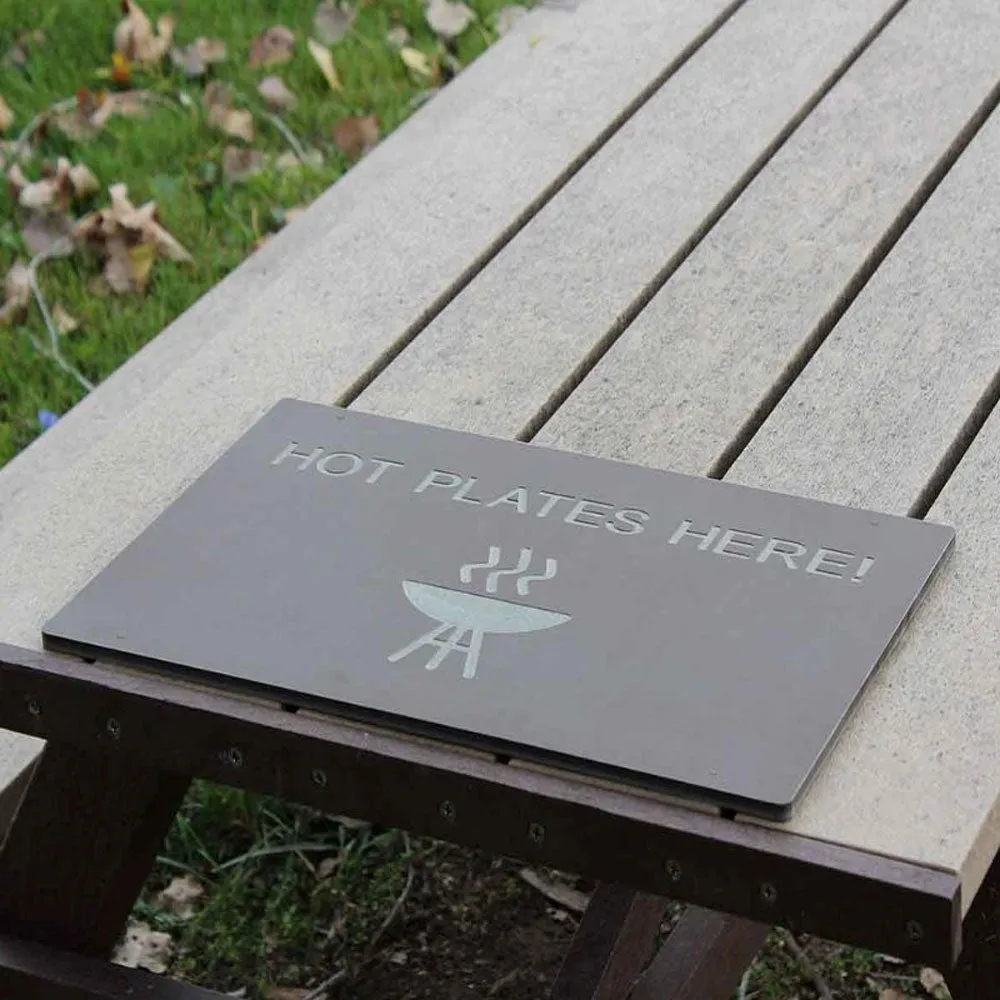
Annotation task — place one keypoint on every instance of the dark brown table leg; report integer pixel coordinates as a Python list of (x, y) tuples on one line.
[(611, 946), (703, 959), (80, 846), (977, 973)]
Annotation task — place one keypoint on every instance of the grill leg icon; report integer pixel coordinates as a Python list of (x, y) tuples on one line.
[(436, 637)]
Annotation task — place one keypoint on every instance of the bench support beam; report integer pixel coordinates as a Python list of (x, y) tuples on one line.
[(611, 946), (977, 972), (81, 845), (704, 958)]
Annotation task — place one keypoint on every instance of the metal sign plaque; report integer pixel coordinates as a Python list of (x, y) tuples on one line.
[(682, 633)]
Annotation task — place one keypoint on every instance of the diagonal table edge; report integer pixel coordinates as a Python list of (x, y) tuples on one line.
[(613, 835)]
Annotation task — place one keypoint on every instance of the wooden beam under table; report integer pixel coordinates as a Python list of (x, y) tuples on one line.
[(611, 835), (81, 845), (704, 958), (611, 946), (30, 971)]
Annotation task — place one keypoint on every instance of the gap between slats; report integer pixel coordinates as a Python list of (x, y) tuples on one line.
[(382, 362), (607, 341)]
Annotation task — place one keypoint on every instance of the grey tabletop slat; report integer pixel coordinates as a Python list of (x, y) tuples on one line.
[(404, 225), (868, 423), (767, 281), (569, 275)]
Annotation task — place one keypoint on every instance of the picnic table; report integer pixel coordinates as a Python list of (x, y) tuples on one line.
[(750, 240)]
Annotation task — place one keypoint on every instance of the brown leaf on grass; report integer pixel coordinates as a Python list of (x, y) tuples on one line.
[(416, 61), (893, 994), (397, 36), (38, 194), (83, 181), (93, 110), (934, 983), (180, 896), (276, 95), (286, 993), (448, 18), (144, 948), (332, 21), (218, 101), (272, 47), (291, 161), (507, 17), (128, 240), (356, 134), (65, 322), (194, 59), (324, 59), (135, 38), (240, 163), (17, 294), (48, 232), (16, 180), (17, 54), (6, 115)]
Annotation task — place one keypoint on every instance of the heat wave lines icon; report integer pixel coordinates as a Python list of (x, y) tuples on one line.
[(464, 618)]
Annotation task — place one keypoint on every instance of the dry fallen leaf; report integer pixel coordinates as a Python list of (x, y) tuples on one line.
[(276, 95), (331, 22), (144, 948), (892, 994), (83, 180), (135, 38), (356, 135), (934, 983), (241, 162), (48, 232), (218, 101), (6, 115), (39, 194), (128, 239), (416, 61), (17, 293), (507, 17), (180, 895), (194, 60), (17, 54), (448, 18), (291, 161), (92, 111), (65, 322), (324, 59), (291, 214), (397, 36), (272, 47), (16, 180), (563, 895), (286, 993)]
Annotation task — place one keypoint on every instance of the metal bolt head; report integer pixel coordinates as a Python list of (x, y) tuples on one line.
[(113, 728), (234, 757), (768, 893), (34, 709), (914, 931), (319, 777), (673, 870), (536, 833), (448, 811)]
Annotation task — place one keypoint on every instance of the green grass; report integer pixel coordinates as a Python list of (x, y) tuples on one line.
[(174, 157)]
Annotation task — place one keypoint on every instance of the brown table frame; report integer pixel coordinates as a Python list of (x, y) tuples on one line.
[(122, 748)]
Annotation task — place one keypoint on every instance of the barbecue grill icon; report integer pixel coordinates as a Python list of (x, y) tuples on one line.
[(460, 613)]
